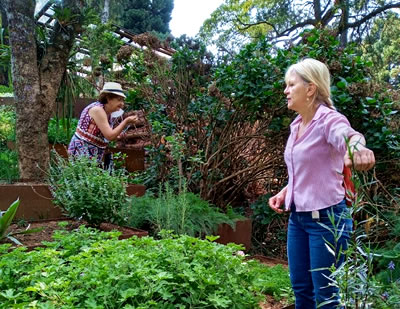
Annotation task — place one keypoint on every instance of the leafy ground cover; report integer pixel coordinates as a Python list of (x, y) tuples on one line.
[(90, 269)]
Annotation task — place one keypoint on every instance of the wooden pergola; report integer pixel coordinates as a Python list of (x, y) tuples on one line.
[(45, 17)]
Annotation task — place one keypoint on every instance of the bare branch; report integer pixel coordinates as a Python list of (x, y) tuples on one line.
[(373, 14), (329, 15), (306, 22), (317, 10)]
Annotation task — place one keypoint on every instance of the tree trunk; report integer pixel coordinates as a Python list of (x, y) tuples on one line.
[(317, 11), (31, 141), (106, 11), (343, 28), (36, 82)]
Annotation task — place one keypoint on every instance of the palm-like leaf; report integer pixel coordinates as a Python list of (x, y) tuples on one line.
[(7, 218), (5, 222)]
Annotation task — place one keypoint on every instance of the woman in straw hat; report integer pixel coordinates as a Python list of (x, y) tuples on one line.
[(94, 129)]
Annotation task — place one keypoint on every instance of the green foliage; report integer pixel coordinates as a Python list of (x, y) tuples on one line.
[(269, 229), (102, 45), (6, 219), (7, 124), (254, 80), (64, 15), (390, 252), (5, 90), (5, 61), (358, 279), (226, 27), (184, 213), (85, 190), (8, 165), (182, 272), (141, 16), (61, 130), (236, 22), (273, 281), (8, 158), (233, 117), (380, 47)]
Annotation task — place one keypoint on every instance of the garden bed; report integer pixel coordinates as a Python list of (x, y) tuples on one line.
[(78, 259), (34, 240), (36, 199)]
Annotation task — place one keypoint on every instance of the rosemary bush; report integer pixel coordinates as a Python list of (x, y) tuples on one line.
[(183, 213)]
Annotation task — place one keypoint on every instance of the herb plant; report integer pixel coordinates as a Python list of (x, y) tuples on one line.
[(94, 270), (85, 190), (183, 213)]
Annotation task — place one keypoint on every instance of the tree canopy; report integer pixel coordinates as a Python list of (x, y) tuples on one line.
[(240, 20), (141, 16), (381, 47)]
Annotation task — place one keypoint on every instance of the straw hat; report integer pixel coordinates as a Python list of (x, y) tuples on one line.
[(111, 87)]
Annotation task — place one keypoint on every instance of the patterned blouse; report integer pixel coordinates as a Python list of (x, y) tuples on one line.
[(88, 131)]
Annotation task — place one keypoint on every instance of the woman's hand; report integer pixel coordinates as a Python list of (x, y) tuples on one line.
[(276, 202), (132, 119), (363, 158)]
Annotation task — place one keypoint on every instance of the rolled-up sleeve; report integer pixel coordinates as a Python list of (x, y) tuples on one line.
[(337, 129)]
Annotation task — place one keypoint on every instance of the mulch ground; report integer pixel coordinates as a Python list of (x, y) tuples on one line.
[(49, 226)]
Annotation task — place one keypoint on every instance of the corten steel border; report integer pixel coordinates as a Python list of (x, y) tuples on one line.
[(241, 235), (36, 200)]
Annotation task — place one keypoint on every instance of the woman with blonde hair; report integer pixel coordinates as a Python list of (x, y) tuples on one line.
[(315, 155)]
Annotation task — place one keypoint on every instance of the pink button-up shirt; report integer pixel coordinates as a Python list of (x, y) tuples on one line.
[(315, 161)]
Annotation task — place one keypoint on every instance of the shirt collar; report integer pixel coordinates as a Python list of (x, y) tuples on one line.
[(322, 110)]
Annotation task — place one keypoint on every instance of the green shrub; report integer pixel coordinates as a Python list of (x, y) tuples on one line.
[(7, 124), (85, 190), (60, 130), (184, 213), (8, 165), (6, 90), (269, 229), (182, 272)]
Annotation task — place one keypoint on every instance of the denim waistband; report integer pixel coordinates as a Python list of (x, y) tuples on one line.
[(321, 211)]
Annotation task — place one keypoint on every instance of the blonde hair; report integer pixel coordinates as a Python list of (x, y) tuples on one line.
[(317, 73)]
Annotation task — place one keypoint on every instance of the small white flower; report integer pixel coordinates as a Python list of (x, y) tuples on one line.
[(240, 253)]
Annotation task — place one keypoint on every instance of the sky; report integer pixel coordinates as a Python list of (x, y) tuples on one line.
[(188, 15)]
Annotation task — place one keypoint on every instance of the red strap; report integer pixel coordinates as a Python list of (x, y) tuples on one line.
[(350, 192)]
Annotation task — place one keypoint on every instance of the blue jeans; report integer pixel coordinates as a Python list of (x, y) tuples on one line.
[(307, 251)]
